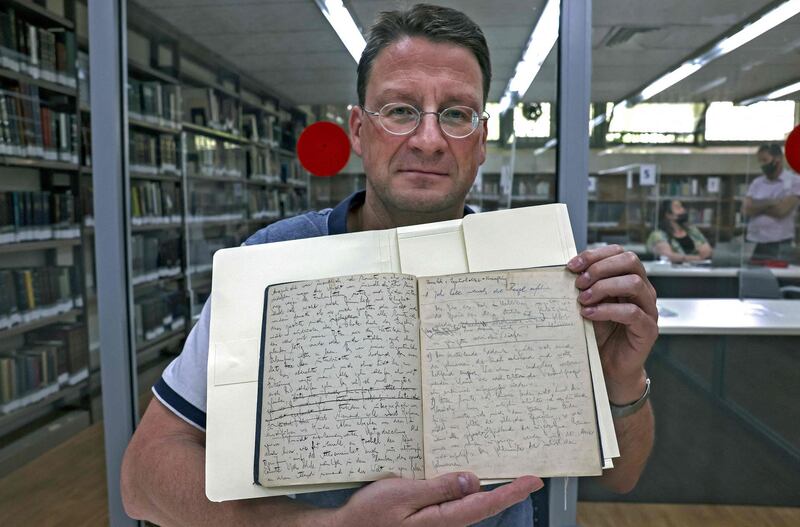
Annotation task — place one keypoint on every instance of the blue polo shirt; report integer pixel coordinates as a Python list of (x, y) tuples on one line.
[(182, 387)]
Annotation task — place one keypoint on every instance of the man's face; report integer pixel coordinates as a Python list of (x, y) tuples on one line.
[(425, 171), (770, 165)]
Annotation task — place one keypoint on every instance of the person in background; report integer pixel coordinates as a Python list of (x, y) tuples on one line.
[(771, 206), (675, 238)]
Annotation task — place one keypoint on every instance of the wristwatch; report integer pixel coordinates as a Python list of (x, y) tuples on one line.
[(630, 409)]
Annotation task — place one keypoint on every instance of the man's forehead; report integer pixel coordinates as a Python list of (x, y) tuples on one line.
[(453, 70)]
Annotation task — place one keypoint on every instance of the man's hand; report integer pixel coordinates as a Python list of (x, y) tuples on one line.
[(449, 500), (618, 298)]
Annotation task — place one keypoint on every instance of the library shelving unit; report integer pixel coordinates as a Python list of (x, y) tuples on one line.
[(622, 206), (623, 210), (44, 348), (211, 160)]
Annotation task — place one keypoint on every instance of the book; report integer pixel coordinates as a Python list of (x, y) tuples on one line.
[(374, 375), (477, 243)]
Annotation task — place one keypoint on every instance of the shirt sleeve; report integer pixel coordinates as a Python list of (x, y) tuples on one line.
[(654, 239), (795, 187), (182, 387), (697, 236)]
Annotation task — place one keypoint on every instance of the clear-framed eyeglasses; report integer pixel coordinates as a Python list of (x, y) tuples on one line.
[(399, 118)]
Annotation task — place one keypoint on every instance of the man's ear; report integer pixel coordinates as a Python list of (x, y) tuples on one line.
[(356, 120), (483, 140)]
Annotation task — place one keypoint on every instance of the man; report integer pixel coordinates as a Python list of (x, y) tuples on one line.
[(771, 205), (419, 168)]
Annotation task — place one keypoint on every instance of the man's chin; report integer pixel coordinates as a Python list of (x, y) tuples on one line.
[(425, 201)]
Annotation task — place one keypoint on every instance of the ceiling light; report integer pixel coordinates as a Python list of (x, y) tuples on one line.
[(540, 43), (342, 22), (774, 94), (748, 32)]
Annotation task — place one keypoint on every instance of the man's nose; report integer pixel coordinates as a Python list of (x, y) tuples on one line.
[(428, 137)]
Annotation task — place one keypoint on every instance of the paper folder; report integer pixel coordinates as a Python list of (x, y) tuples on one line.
[(508, 239)]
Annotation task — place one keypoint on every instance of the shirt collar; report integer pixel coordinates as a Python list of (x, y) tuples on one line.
[(337, 220)]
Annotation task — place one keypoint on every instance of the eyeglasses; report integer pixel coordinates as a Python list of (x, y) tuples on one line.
[(399, 118)]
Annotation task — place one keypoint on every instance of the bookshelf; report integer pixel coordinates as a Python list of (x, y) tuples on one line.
[(44, 348), (211, 160)]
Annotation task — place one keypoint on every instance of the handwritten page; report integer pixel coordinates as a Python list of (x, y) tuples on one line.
[(341, 400), (506, 380)]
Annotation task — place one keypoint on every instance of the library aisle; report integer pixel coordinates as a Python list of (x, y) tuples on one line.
[(664, 127)]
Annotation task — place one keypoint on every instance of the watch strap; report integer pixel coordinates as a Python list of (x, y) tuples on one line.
[(630, 409)]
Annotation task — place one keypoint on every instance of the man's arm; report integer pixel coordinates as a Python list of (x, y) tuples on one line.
[(163, 482), (755, 207), (620, 301), (784, 206)]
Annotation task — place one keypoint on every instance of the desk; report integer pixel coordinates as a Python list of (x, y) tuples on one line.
[(695, 271), (728, 317), (682, 281)]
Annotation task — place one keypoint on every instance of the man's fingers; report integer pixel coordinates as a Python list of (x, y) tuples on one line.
[(478, 506), (441, 489), (588, 257), (631, 287), (639, 324)]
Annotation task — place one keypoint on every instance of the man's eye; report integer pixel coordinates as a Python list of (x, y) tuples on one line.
[(400, 111), (457, 115)]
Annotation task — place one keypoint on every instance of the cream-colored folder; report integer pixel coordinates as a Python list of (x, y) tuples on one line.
[(509, 239)]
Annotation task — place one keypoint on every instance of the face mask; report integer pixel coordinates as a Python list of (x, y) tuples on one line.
[(768, 169), (682, 218)]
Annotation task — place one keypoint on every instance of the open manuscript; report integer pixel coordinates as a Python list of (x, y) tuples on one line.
[(374, 375)]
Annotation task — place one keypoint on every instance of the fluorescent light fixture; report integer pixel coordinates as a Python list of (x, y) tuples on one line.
[(754, 29), (773, 18), (775, 94), (541, 41), (547, 146), (342, 22), (670, 79)]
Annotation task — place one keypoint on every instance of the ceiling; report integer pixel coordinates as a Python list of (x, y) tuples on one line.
[(290, 47)]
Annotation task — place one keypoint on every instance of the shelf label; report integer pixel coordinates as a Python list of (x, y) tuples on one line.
[(647, 175)]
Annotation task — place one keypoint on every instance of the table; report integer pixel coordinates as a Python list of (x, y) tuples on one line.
[(685, 281), (728, 317)]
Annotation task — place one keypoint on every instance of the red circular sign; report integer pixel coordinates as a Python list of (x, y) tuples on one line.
[(792, 149), (323, 148)]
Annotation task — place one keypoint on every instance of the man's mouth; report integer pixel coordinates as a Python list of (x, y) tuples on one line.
[(423, 172)]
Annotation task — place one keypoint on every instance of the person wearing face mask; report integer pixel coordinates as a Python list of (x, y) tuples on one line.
[(675, 238), (771, 206)]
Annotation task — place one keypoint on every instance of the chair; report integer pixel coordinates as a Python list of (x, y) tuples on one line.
[(758, 283)]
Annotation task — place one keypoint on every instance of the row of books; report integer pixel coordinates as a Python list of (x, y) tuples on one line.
[(261, 130), (700, 216), (51, 357), (205, 201), (686, 188), (155, 202), (154, 102), (606, 214), (201, 251), (207, 156), (43, 53), (206, 107), (159, 312), (30, 128), (28, 294), (37, 215), (275, 203), (151, 154), (155, 256)]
